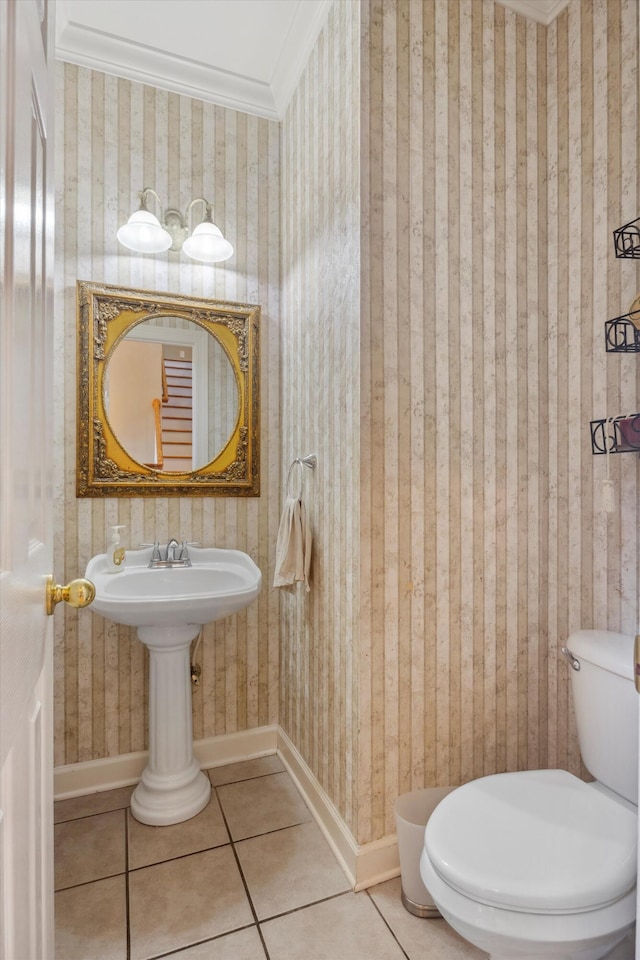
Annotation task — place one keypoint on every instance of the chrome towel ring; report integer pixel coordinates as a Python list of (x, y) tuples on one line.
[(309, 461)]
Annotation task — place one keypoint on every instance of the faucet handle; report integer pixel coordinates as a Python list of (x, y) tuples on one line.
[(155, 545), (184, 553), (155, 556)]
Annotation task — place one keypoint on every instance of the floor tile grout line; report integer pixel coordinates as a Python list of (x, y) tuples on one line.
[(268, 833), (87, 883), (126, 883), (180, 856), (242, 877), (230, 783), (87, 816), (303, 906), (387, 924), (198, 943)]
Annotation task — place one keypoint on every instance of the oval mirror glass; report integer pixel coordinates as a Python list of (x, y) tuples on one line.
[(170, 394)]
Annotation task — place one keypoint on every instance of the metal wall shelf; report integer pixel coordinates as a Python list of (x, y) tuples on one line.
[(621, 335), (616, 434), (626, 240)]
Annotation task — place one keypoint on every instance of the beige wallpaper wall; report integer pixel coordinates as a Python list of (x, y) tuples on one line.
[(493, 154), (113, 138), (495, 157), (451, 174), (320, 400)]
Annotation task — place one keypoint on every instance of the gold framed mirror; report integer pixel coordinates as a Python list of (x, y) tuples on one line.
[(168, 394)]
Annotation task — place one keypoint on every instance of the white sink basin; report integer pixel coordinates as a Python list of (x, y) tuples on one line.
[(219, 583)]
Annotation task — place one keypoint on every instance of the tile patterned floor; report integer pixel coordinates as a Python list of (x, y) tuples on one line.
[(249, 878)]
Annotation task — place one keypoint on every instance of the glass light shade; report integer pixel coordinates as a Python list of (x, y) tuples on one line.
[(207, 244), (144, 233)]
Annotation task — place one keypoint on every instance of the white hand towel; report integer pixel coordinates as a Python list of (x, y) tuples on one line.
[(293, 547)]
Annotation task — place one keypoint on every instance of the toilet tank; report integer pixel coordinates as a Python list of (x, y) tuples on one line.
[(606, 706)]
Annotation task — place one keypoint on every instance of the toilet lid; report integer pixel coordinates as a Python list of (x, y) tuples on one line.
[(539, 841)]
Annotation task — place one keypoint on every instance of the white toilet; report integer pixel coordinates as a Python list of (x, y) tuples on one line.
[(540, 864)]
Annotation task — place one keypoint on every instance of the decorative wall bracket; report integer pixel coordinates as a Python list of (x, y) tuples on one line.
[(626, 240), (616, 434), (622, 334)]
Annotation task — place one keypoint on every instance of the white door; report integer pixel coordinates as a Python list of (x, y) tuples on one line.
[(26, 265)]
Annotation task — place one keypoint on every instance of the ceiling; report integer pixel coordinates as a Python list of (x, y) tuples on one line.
[(244, 54)]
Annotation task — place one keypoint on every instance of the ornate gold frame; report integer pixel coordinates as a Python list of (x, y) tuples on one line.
[(105, 314)]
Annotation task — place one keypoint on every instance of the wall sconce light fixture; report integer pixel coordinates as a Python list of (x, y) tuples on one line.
[(144, 233)]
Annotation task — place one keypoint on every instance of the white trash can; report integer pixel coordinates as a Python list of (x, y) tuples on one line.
[(412, 812)]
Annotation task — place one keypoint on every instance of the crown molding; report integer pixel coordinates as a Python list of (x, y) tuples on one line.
[(296, 49), (85, 46), (108, 53), (543, 11)]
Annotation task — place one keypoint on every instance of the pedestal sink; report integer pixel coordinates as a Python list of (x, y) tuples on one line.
[(169, 607)]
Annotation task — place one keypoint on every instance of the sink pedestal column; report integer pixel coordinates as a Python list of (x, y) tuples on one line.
[(172, 787)]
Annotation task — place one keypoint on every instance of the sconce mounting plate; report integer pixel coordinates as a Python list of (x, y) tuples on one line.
[(176, 227)]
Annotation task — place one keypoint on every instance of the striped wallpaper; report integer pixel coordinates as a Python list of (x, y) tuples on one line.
[(495, 158), (113, 138), (321, 402), (428, 233)]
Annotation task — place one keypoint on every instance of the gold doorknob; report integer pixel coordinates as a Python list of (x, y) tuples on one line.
[(77, 593)]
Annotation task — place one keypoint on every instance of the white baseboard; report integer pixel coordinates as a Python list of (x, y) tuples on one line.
[(93, 776), (235, 747), (364, 864)]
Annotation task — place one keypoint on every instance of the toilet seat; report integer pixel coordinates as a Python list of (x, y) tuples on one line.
[(535, 842)]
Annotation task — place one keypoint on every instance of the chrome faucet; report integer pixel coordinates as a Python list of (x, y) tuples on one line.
[(172, 546), (175, 555)]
